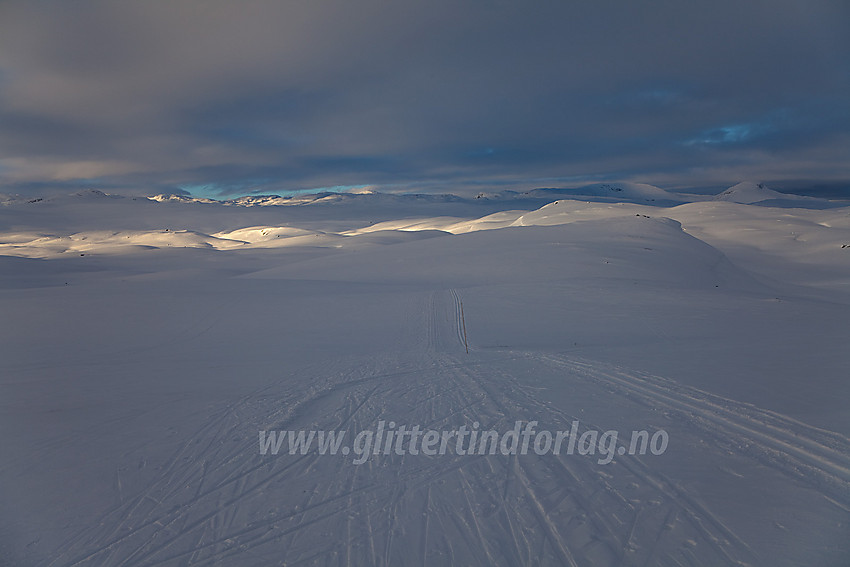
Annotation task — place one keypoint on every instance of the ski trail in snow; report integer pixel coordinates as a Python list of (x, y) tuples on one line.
[(814, 456), (599, 492), (215, 500)]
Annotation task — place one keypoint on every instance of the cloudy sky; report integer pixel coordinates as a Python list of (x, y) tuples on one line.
[(462, 95)]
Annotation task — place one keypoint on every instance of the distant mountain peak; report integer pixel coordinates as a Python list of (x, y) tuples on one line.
[(95, 194), (748, 192)]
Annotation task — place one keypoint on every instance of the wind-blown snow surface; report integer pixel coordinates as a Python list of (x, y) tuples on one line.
[(145, 344)]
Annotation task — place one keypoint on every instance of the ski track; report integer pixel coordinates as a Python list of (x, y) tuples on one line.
[(217, 501), (817, 457)]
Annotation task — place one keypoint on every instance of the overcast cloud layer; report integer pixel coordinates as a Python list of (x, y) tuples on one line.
[(235, 97)]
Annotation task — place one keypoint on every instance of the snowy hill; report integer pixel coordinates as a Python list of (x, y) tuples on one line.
[(618, 192), (758, 193)]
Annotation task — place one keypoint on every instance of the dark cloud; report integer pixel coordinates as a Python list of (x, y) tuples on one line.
[(437, 95)]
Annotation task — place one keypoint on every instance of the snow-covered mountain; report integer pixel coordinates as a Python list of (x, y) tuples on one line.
[(748, 192), (618, 192), (638, 193)]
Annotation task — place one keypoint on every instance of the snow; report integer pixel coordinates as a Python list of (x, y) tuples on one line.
[(759, 194), (147, 343), (748, 192)]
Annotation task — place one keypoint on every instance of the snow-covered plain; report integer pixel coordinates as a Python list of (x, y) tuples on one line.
[(145, 343)]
